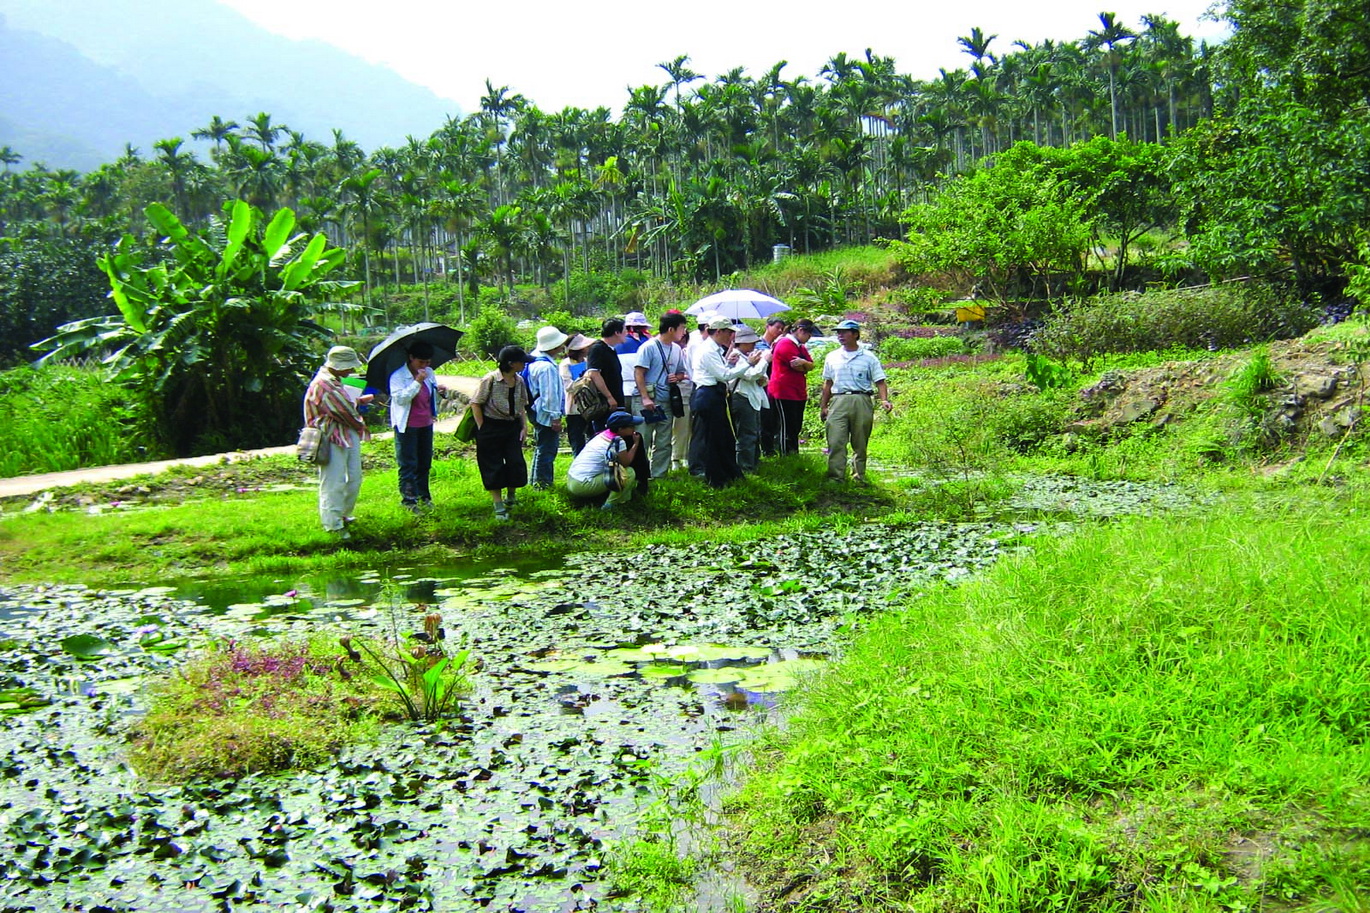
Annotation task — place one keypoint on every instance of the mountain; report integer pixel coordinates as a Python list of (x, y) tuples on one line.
[(79, 79)]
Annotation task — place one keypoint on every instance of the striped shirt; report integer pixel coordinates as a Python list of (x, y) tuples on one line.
[(500, 401), (852, 372), (327, 406)]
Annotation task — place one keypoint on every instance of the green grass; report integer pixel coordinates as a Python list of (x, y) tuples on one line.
[(1182, 725), (62, 417), (867, 266), (227, 532), (652, 873)]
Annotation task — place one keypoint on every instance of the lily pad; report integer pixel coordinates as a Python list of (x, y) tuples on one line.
[(722, 676), (591, 668), (86, 647), (21, 700), (781, 676), (663, 670)]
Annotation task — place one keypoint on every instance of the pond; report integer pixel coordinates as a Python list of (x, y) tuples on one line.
[(598, 677)]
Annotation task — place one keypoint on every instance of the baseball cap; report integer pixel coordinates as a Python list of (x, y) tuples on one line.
[(621, 419)]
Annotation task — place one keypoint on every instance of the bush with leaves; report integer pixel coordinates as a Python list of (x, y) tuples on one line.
[(896, 349), (1007, 224), (1213, 318), (490, 331), (218, 337), (45, 283)]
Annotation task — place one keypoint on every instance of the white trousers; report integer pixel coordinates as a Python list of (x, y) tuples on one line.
[(340, 481)]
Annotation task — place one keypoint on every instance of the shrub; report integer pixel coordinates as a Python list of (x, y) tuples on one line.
[(570, 325), (1210, 318), (895, 348), (599, 293), (490, 331)]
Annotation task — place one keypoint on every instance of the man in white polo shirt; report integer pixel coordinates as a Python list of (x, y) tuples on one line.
[(852, 378)]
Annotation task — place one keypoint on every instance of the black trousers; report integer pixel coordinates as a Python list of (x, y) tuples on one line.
[(719, 442), (791, 423), (770, 429)]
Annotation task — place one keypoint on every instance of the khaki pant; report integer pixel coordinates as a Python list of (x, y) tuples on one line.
[(600, 484), (850, 419)]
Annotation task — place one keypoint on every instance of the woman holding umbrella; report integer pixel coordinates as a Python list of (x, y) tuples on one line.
[(500, 408), (414, 393)]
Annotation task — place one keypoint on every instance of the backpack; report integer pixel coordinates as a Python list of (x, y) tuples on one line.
[(591, 403)]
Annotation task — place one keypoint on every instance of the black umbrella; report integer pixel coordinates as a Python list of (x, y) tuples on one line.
[(389, 355)]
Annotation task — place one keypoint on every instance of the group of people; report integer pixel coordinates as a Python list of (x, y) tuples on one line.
[(713, 401)]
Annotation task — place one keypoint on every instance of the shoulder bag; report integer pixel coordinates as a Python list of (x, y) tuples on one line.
[(312, 447)]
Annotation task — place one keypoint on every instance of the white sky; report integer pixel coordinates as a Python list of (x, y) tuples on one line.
[(561, 52)]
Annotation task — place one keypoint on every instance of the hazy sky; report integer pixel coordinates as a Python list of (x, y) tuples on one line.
[(558, 53)]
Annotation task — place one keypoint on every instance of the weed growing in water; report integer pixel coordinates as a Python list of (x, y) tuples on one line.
[(416, 667), (246, 709)]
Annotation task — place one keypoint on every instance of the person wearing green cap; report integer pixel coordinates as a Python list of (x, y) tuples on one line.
[(852, 377)]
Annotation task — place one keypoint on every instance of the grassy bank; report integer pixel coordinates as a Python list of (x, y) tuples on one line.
[(1162, 715), (206, 524)]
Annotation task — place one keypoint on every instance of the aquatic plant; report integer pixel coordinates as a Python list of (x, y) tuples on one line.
[(425, 677), (243, 708)]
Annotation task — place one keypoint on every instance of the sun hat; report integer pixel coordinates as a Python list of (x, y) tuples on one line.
[(342, 358), (579, 342), (848, 325), (719, 322), (621, 419), (808, 326), (550, 338), (746, 334), (636, 319)]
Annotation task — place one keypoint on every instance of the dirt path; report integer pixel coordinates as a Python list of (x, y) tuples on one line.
[(28, 485)]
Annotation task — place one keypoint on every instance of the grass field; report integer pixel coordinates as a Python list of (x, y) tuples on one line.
[(1163, 715)]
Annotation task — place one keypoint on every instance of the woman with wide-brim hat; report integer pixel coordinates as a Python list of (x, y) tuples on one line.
[(328, 407), (572, 366), (500, 408)]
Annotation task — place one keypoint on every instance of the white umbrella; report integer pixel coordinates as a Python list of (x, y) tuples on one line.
[(739, 304)]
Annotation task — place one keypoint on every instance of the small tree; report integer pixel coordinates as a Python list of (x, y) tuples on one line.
[(999, 225), (219, 336)]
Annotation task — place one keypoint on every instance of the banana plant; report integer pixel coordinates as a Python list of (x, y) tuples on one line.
[(217, 331)]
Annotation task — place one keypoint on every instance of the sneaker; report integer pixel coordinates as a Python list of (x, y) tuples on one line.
[(608, 505), (502, 511), (342, 535), (511, 501)]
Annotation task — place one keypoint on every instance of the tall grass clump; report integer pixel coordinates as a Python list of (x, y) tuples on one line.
[(243, 709), (1213, 318), (865, 268), (1170, 714), (61, 417)]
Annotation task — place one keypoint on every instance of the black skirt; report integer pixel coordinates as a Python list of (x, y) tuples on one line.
[(499, 454)]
